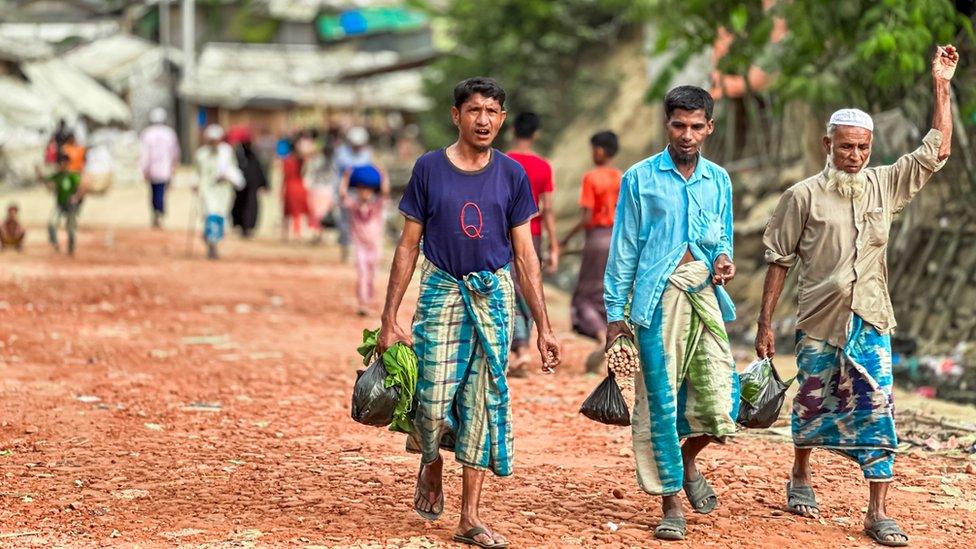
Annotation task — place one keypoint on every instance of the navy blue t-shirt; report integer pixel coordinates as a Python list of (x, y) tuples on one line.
[(468, 216)]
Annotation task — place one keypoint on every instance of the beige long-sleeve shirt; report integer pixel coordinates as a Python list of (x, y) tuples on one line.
[(841, 243)]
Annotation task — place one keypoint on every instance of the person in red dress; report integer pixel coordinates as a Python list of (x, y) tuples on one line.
[(294, 194)]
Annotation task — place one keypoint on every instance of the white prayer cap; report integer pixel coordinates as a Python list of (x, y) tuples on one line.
[(357, 136), (852, 117), (157, 115), (213, 132)]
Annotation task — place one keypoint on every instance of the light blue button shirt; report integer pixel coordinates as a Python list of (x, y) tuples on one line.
[(659, 216)]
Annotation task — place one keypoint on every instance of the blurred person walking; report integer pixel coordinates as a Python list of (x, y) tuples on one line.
[(539, 172), (217, 178), (470, 206), (835, 225), (323, 182), (598, 204), (294, 190), (354, 152), (57, 140), (244, 214), (159, 155), (68, 192), (76, 153)]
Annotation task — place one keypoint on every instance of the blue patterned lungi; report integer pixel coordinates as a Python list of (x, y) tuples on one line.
[(844, 402)]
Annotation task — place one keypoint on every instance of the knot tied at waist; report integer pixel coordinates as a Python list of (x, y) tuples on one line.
[(692, 277), (483, 283)]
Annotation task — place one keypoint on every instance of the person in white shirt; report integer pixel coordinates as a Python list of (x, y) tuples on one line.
[(217, 178), (159, 155)]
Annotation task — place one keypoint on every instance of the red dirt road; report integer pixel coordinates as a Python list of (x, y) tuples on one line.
[(149, 399)]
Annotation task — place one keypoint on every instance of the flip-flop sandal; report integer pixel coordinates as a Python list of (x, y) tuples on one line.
[(800, 496), (438, 507), (700, 494), (468, 538), (671, 529), (887, 527)]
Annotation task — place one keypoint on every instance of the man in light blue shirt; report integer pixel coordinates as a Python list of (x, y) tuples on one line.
[(670, 256)]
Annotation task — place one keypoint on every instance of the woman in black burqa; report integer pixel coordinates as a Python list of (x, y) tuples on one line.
[(245, 211)]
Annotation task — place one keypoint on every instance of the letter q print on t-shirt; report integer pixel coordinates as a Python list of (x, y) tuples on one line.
[(472, 222), (468, 217)]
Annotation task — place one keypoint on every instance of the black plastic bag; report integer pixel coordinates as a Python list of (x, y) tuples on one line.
[(329, 220), (761, 396), (372, 402), (606, 404)]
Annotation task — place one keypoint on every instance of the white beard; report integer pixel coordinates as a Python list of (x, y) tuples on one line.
[(849, 185)]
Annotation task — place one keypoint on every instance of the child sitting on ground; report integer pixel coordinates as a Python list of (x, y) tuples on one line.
[(11, 231)]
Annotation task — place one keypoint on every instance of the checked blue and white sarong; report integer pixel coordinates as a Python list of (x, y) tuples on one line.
[(462, 334)]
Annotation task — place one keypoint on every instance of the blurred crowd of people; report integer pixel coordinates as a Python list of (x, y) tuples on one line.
[(329, 181)]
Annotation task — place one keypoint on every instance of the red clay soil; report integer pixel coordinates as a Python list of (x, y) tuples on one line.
[(154, 400)]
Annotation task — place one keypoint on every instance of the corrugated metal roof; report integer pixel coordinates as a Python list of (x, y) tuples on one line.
[(296, 63), (401, 90), (235, 75)]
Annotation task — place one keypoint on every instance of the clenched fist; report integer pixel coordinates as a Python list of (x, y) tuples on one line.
[(944, 62)]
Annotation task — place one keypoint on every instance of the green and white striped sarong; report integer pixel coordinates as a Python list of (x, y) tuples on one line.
[(462, 332), (690, 387)]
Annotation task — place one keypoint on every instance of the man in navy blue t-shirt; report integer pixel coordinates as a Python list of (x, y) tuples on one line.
[(469, 205)]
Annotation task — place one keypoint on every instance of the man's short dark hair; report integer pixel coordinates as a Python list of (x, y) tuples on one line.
[(688, 98), (526, 124), (607, 141), (487, 87)]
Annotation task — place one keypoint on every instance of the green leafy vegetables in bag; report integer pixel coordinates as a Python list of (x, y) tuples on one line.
[(368, 346), (401, 372)]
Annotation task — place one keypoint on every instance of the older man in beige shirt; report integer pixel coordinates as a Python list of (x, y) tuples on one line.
[(835, 224)]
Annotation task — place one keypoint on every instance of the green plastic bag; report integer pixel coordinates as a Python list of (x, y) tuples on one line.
[(762, 393)]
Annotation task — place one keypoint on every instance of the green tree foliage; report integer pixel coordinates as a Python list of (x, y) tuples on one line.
[(532, 47), (865, 52)]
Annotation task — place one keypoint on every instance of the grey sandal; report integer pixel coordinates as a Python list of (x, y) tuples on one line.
[(887, 527), (438, 506), (700, 494), (671, 529), (468, 538), (801, 496)]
